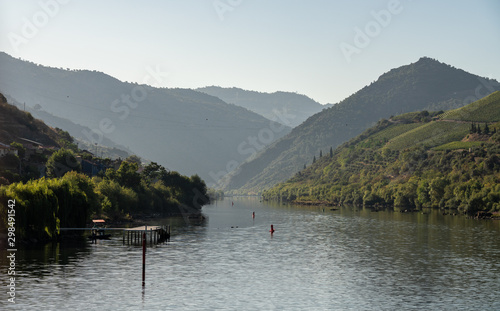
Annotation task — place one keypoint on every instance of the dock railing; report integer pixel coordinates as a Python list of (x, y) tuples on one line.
[(133, 236)]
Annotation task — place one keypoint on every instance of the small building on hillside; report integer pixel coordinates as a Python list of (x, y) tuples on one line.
[(33, 147)]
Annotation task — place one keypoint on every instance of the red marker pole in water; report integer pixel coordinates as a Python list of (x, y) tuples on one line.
[(143, 258), (272, 229)]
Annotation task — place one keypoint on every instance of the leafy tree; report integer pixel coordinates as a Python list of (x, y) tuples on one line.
[(134, 159), (153, 172), (66, 140), (127, 175), (61, 162), (423, 196)]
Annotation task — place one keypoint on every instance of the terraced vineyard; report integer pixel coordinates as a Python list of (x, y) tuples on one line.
[(455, 145), (395, 130), (430, 135), (484, 110)]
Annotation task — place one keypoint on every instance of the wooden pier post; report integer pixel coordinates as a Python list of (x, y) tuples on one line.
[(143, 258)]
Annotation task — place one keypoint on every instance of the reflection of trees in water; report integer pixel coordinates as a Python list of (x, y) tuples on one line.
[(40, 260)]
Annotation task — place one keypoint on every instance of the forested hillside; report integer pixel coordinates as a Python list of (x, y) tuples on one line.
[(447, 160), (424, 85)]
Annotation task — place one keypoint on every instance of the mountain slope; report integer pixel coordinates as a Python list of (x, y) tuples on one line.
[(184, 130), (422, 85), (106, 149), (447, 167), (298, 107), (15, 124)]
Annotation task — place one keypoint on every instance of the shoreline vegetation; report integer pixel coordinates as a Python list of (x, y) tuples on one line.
[(444, 160), (50, 183), (45, 205)]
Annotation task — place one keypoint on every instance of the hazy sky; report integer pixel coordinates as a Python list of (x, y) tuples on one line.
[(325, 49)]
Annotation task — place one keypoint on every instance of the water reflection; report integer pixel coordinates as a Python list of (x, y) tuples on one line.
[(316, 260)]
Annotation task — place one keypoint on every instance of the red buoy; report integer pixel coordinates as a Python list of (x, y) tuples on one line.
[(272, 229), (253, 215)]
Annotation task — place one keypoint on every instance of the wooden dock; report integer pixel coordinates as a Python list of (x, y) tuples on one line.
[(133, 236), (155, 235)]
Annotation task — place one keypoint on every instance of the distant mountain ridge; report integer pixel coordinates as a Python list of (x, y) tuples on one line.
[(184, 130), (425, 84), (299, 106)]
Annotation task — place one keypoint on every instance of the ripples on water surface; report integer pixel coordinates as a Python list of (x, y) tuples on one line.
[(343, 260)]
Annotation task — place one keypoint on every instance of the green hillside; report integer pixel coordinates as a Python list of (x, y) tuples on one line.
[(411, 162), (424, 85)]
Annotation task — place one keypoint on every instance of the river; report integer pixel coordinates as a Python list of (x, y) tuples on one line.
[(349, 259)]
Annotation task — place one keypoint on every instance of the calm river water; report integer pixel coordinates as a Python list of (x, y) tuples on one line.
[(351, 259)]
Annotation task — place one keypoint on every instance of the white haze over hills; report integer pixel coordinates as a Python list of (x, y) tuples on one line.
[(184, 130), (299, 106)]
